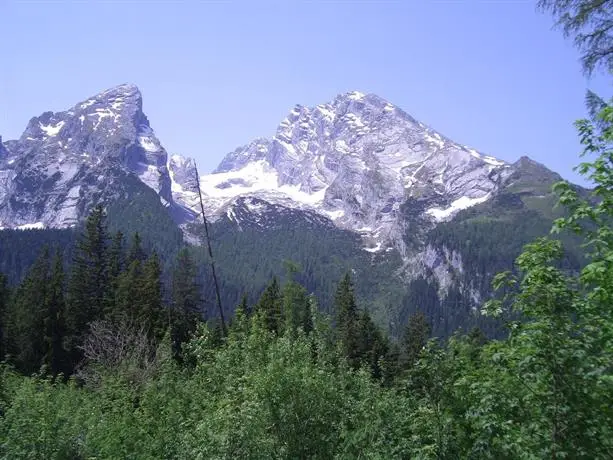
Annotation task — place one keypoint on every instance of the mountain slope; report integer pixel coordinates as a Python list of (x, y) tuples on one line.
[(356, 160), (65, 162), (353, 185)]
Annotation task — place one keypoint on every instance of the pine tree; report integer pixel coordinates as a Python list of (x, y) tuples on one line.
[(4, 299), (128, 298), (297, 307), (89, 280), (116, 267), (136, 251), (54, 355), (347, 320), (186, 304), (372, 347), (416, 336), (26, 329), (152, 308), (269, 307)]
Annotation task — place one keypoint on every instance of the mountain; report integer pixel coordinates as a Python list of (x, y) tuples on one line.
[(355, 184), (355, 160), (65, 162)]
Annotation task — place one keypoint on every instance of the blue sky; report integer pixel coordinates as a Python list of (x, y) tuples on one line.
[(216, 74)]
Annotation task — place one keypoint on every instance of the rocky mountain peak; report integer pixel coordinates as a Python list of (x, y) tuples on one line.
[(66, 160), (356, 160)]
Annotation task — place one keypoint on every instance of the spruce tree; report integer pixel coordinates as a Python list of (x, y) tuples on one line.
[(128, 298), (54, 354), (136, 251), (151, 301), (26, 340), (347, 320), (297, 307), (416, 336), (89, 280), (186, 304), (4, 299), (372, 347), (116, 267), (269, 307)]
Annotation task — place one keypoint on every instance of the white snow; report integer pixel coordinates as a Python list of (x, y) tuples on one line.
[(150, 176), (342, 146), (34, 226), (103, 113), (256, 176), (52, 130), (11, 161), (363, 229), (436, 139), (147, 143), (87, 103), (356, 95), (326, 112), (388, 107), (459, 204), (334, 214), (486, 158), (493, 161), (375, 249), (291, 150)]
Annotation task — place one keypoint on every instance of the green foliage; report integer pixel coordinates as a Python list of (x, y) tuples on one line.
[(589, 22)]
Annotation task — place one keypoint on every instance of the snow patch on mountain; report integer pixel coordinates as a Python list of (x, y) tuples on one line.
[(459, 204), (356, 160)]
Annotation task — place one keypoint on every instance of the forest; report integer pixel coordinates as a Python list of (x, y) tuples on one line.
[(107, 354)]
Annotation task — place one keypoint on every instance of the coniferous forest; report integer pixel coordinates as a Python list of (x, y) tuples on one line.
[(108, 354)]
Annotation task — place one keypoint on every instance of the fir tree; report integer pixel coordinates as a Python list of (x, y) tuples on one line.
[(89, 280), (54, 319), (416, 336), (347, 320), (269, 307), (4, 298), (128, 298), (136, 251), (151, 302), (296, 306), (28, 310), (186, 304), (116, 267), (372, 347)]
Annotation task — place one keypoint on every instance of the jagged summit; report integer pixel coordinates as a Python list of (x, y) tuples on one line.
[(66, 161), (355, 160)]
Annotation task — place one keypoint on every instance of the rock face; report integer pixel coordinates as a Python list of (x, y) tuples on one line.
[(67, 161), (358, 161), (355, 160)]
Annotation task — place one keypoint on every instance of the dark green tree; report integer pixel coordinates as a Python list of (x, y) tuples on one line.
[(89, 280), (416, 336), (136, 251), (347, 318), (55, 330), (128, 297), (270, 307), (372, 345), (296, 305), (4, 300), (151, 298), (186, 299), (116, 267), (26, 322)]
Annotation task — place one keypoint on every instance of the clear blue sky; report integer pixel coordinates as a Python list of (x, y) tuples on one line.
[(216, 74)]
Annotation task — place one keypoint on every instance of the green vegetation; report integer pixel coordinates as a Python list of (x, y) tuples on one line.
[(101, 363)]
